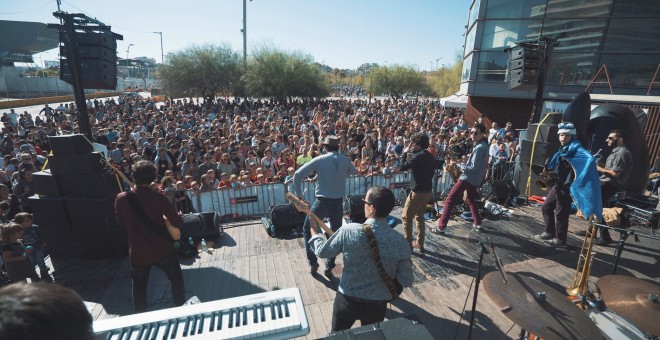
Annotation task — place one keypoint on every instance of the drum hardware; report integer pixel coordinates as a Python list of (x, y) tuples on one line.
[(634, 299), (534, 306)]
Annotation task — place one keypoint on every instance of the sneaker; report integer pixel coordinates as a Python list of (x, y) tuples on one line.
[(420, 248), (555, 242), (603, 241), (438, 231), (477, 227), (544, 236), (581, 232)]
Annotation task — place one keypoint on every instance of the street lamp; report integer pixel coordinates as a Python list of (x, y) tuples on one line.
[(432, 65), (244, 30), (128, 49), (436, 62), (162, 55)]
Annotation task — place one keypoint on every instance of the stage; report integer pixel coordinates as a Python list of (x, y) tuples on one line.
[(246, 261)]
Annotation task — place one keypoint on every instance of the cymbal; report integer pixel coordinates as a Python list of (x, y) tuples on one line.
[(538, 308), (629, 297)]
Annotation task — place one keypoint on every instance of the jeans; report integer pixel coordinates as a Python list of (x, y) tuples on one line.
[(140, 274), (557, 204), (324, 207), (37, 258), (451, 200), (415, 207), (346, 310)]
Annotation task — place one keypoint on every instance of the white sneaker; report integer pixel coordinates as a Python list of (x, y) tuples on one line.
[(544, 236), (478, 227)]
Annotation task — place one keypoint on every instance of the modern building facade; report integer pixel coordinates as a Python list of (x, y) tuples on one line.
[(610, 47)]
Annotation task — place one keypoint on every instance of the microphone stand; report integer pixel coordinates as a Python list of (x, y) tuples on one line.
[(623, 236), (484, 250)]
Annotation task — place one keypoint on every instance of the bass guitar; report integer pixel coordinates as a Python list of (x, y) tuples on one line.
[(301, 206)]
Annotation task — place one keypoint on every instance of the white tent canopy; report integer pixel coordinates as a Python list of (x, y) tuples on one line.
[(455, 100)]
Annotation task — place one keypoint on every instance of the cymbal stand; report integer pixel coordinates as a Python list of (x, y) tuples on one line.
[(623, 236), (484, 250)]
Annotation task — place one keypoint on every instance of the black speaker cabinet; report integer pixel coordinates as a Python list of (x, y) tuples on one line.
[(547, 133), (50, 213), (70, 145), (103, 244), (86, 164), (62, 244), (534, 189), (542, 151), (96, 185), (46, 184), (92, 214)]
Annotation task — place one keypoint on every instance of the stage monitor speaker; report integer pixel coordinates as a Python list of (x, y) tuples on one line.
[(96, 185), (547, 133), (70, 145), (46, 184), (400, 328), (92, 214), (542, 151), (522, 180), (86, 164)]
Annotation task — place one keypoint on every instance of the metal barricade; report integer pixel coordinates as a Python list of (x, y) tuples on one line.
[(250, 201)]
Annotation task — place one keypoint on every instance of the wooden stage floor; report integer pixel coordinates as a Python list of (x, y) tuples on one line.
[(246, 261)]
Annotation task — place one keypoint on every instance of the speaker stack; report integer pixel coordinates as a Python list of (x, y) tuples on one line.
[(533, 155), (98, 61), (74, 204)]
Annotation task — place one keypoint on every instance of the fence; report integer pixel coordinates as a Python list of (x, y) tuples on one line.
[(256, 201)]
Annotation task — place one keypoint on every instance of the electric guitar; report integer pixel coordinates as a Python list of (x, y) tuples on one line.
[(301, 206)]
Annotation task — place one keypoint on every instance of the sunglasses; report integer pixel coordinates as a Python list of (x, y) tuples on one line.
[(611, 138), (474, 132), (367, 202)]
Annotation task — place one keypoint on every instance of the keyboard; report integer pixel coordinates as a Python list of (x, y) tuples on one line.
[(277, 314)]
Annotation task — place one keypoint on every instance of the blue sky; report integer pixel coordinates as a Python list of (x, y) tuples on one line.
[(341, 33)]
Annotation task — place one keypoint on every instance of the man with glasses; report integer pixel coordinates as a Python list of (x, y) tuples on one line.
[(474, 172), (614, 174), (362, 293)]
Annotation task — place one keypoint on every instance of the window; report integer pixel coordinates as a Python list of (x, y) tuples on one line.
[(515, 9), (573, 35), (638, 35), (499, 34), (492, 66), (578, 9)]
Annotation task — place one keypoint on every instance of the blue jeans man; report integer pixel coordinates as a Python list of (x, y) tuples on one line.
[(332, 209)]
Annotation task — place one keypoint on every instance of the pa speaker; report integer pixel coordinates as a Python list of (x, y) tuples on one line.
[(70, 145), (97, 245), (103, 40), (50, 213), (542, 151), (546, 133), (95, 185), (46, 184), (524, 177), (86, 164), (96, 73), (92, 214)]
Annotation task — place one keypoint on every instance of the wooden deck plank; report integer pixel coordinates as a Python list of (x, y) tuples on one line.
[(246, 260)]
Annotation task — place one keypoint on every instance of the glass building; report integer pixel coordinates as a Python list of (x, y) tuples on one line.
[(623, 35), (615, 38)]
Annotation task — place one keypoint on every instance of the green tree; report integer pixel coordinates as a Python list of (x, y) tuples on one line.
[(446, 80), (205, 70), (395, 81), (280, 74)]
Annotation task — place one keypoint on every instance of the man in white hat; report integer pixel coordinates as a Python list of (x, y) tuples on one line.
[(332, 169)]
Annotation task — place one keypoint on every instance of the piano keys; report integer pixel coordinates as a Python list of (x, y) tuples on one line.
[(273, 315)]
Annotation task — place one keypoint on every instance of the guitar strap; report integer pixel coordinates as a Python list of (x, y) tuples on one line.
[(379, 264), (153, 226)]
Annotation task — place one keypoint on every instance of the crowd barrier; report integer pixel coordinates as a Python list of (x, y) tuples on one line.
[(256, 201)]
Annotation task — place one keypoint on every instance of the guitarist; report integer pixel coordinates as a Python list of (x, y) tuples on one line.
[(332, 169), (363, 294), (148, 239)]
